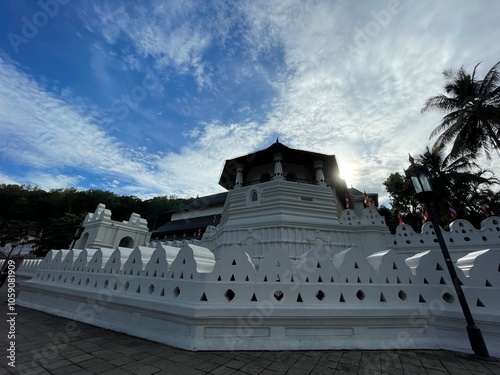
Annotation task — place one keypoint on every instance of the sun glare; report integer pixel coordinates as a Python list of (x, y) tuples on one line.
[(347, 173)]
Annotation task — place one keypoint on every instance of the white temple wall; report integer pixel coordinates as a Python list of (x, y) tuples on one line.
[(100, 231), (285, 215), (366, 233), (27, 267), (280, 273), (348, 301), (359, 232), (99, 234), (461, 239), (305, 203)]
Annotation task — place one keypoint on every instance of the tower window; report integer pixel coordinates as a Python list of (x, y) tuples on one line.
[(254, 196)]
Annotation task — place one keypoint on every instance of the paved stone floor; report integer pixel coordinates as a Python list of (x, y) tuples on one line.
[(46, 344)]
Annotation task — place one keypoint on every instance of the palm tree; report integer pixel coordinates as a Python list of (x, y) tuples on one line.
[(458, 180), (472, 122)]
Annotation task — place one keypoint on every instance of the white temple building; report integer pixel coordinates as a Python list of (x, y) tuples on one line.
[(287, 267), (98, 230)]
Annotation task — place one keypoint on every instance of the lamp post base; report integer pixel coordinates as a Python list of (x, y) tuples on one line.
[(477, 342)]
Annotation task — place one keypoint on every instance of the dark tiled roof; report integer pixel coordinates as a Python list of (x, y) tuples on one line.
[(186, 224), (206, 201), (290, 155), (353, 192)]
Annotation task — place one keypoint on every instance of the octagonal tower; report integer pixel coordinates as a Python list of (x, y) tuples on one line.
[(281, 198)]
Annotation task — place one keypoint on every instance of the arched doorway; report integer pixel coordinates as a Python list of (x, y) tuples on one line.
[(126, 242)]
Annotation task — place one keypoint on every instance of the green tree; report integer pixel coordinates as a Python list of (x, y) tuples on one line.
[(459, 181), (400, 191), (472, 121), (155, 210), (57, 213), (402, 201), (58, 233)]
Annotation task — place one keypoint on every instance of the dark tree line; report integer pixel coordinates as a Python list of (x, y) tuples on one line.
[(55, 215)]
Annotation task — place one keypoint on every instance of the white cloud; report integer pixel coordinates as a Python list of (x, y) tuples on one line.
[(43, 132), (196, 169), (43, 180), (56, 134), (173, 34), (8, 180), (49, 181)]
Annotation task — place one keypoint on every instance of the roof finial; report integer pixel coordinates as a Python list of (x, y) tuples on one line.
[(277, 140), (410, 158)]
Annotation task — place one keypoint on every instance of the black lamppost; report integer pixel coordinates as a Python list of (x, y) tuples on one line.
[(418, 176), (77, 236)]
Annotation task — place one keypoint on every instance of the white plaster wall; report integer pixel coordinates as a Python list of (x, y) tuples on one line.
[(348, 301), (462, 238), (285, 273), (104, 232), (287, 215)]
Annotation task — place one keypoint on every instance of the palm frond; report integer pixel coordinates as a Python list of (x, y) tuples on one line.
[(452, 122), (491, 80), (474, 71), (441, 103), (471, 125)]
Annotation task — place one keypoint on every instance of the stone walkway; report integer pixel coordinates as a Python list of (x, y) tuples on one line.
[(46, 344)]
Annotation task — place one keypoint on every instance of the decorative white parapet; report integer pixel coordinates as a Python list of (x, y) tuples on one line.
[(182, 296), (369, 218), (27, 267), (461, 239), (369, 231), (482, 271)]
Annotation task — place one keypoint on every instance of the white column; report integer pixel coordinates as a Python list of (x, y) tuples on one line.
[(320, 177), (239, 177), (278, 167)]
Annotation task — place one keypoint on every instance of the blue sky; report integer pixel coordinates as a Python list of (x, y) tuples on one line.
[(149, 98)]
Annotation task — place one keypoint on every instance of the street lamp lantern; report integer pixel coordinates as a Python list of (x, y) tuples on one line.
[(420, 181), (418, 177)]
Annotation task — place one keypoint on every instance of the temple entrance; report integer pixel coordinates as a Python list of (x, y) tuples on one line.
[(126, 242)]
